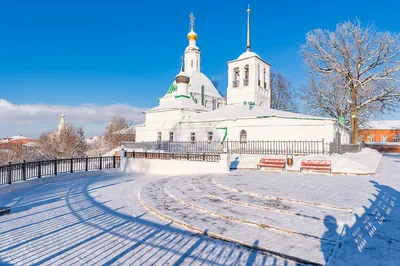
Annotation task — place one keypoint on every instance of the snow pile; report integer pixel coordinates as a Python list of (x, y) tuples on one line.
[(364, 162)]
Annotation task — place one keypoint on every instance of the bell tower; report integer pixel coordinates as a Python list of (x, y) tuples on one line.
[(249, 77), (192, 52)]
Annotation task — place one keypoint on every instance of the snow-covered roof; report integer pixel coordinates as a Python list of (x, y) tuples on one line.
[(179, 103), (197, 80), (128, 130), (235, 111), (31, 144), (247, 54), (383, 124), (13, 138)]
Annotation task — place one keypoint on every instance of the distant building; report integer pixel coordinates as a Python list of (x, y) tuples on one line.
[(15, 143), (383, 131)]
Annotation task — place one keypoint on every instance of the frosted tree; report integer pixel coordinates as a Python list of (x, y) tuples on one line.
[(360, 64), (282, 93), (118, 130), (66, 143)]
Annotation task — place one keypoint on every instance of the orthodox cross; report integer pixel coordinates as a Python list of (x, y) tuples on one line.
[(192, 18)]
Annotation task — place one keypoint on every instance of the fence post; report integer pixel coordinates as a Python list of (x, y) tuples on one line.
[(114, 162), (40, 169), (9, 173), (86, 163), (72, 165), (23, 170), (55, 166), (101, 161)]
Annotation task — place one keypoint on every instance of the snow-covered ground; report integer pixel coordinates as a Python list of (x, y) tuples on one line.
[(101, 218), (364, 162)]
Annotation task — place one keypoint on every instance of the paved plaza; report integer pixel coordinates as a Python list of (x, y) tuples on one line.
[(108, 217)]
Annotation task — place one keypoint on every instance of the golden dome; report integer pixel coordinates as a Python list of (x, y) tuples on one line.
[(192, 36)]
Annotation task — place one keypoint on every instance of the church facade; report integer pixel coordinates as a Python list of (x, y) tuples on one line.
[(193, 109)]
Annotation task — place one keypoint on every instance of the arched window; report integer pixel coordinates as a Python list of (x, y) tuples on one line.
[(246, 75), (265, 78), (236, 74), (259, 76), (191, 63), (243, 136), (261, 104)]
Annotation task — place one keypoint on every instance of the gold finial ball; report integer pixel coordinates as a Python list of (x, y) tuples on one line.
[(192, 36)]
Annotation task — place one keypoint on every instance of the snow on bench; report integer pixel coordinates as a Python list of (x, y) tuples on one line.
[(271, 163), (318, 165)]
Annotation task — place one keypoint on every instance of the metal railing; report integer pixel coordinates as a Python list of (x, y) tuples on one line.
[(344, 148), (237, 147), (174, 156), (22, 171), (276, 147)]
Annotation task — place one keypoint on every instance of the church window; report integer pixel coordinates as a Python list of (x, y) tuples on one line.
[(384, 138), (210, 136), (191, 63), (246, 75), (236, 73), (265, 78), (370, 139), (192, 137), (171, 136), (243, 136), (259, 76), (159, 136)]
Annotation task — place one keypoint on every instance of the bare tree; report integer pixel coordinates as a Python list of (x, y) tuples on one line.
[(118, 130), (363, 60), (282, 93), (68, 142)]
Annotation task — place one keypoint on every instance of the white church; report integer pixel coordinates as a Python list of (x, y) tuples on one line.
[(193, 109)]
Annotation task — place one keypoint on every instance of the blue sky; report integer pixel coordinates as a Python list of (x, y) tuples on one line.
[(63, 54)]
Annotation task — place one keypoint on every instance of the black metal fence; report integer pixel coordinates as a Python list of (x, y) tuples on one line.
[(277, 147), (22, 171), (174, 156), (236, 147)]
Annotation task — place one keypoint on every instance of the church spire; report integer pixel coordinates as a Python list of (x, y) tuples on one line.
[(248, 29), (192, 36), (192, 52)]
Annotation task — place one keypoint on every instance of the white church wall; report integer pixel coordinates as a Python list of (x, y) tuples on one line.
[(262, 129), (174, 167)]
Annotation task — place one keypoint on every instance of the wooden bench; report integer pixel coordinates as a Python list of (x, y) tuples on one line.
[(272, 163), (317, 165)]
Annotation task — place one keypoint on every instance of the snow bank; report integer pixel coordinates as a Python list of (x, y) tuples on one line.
[(364, 162)]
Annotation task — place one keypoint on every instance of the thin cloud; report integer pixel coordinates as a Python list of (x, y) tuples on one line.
[(22, 114)]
